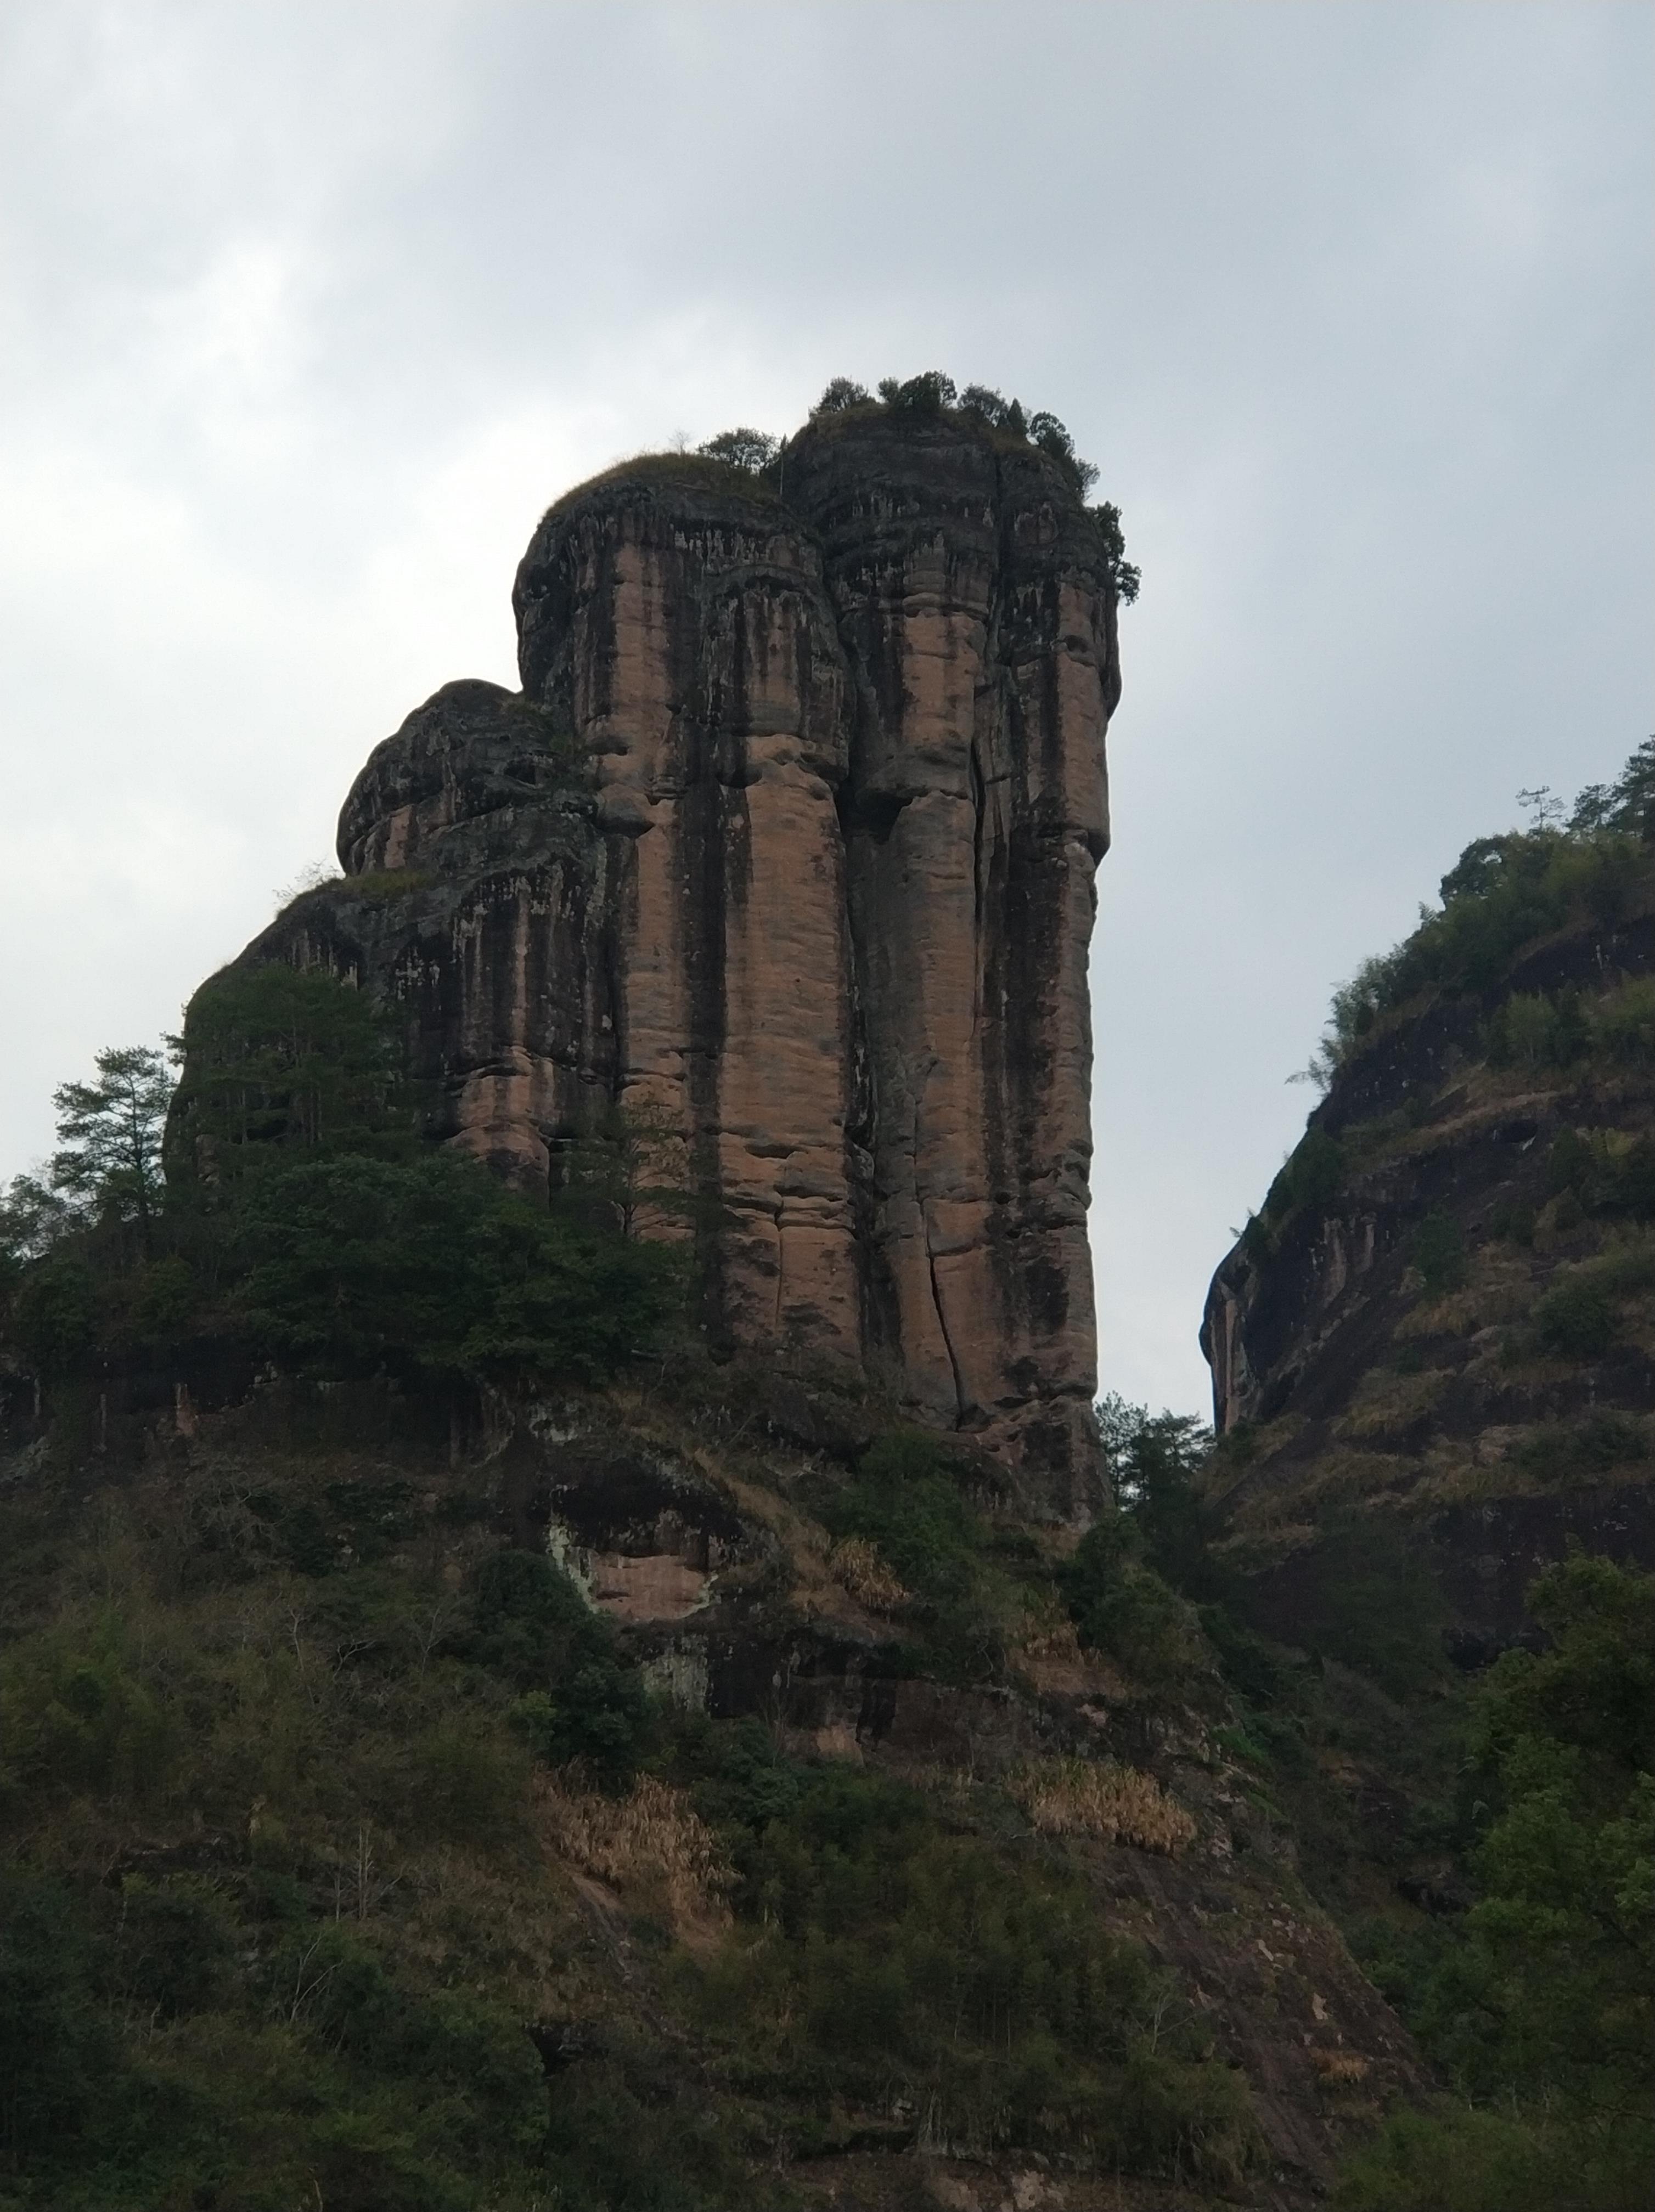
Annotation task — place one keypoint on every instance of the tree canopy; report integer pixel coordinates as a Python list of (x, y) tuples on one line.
[(109, 1134), (305, 1212)]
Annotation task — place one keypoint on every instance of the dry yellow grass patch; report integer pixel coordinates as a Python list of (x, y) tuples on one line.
[(1340, 2069), (1456, 1315), (652, 1844), (857, 1567), (1053, 1640), (1116, 1804), (1385, 1402)]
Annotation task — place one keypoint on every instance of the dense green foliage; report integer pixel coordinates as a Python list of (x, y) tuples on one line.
[(282, 1728), (1540, 2004), (1120, 1584), (276, 1915), (277, 1059), (893, 1950), (1310, 1177), (109, 1133), (356, 1264), (1530, 1984), (750, 451), (909, 1499), (305, 1218), (1504, 892), (576, 1701), (258, 1792)]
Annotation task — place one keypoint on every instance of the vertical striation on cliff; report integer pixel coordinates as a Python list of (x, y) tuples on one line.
[(786, 849), (975, 604)]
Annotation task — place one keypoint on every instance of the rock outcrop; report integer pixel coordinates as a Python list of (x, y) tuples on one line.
[(1390, 1343), (785, 849)]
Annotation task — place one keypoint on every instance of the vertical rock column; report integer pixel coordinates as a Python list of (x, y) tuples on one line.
[(1054, 681), (686, 634), (976, 613)]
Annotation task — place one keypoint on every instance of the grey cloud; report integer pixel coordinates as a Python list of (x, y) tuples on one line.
[(308, 310)]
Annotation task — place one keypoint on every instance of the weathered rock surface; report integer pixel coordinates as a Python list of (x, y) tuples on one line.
[(786, 849)]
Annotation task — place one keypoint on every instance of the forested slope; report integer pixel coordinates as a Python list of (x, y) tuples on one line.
[(1434, 1493), (462, 1746)]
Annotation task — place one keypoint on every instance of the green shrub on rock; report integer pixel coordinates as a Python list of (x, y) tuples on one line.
[(1576, 1318), (1439, 1252), (906, 1499)]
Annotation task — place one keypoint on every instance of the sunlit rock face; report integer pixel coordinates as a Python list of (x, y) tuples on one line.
[(785, 848)]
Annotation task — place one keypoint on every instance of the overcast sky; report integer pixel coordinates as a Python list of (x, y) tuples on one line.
[(308, 311)]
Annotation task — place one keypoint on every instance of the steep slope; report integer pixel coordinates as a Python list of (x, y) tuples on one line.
[(1423, 1538), (1440, 1327), (424, 1803)]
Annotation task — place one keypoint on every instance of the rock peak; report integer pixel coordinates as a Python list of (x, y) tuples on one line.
[(787, 845)]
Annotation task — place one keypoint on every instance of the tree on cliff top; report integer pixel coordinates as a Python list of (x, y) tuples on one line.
[(1502, 893), (931, 394), (109, 1137), (749, 450)]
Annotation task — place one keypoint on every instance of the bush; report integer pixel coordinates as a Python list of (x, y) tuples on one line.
[(468, 1779), (1622, 1024), (433, 1265), (1544, 1999), (928, 393), (174, 1944), (890, 1956), (750, 451), (1122, 1608), (1313, 1177), (1602, 1441), (1476, 2162), (278, 1059), (76, 1714), (1576, 1318), (906, 1502), (1503, 892), (1439, 1253), (1531, 1031), (531, 1625), (56, 1316), (841, 391), (630, 2131)]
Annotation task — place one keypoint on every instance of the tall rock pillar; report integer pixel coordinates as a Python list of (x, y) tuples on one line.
[(785, 848), (977, 614)]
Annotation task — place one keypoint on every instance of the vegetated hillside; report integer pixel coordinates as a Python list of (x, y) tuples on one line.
[(461, 1746), (1442, 1319), (1423, 1536), (612, 1803)]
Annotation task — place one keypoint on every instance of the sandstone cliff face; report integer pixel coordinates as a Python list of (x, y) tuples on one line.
[(978, 618), (785, 848), (687, 642), (477, 898)]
